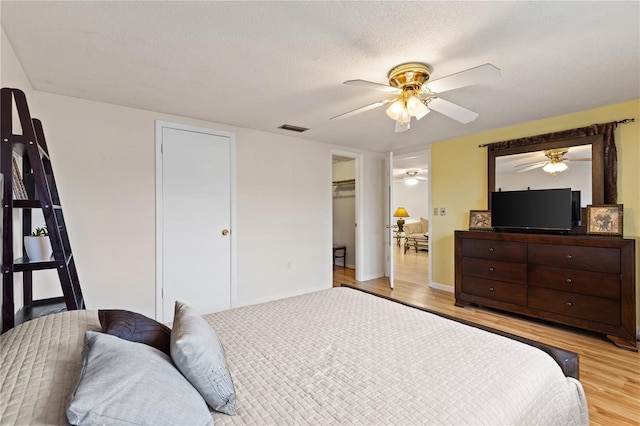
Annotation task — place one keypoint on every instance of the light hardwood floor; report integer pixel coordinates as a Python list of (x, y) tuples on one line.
[(610, 376)]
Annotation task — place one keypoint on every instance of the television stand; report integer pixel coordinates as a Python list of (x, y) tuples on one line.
[(581, 281)]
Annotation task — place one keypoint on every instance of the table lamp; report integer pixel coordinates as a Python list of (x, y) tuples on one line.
[(401, 212)]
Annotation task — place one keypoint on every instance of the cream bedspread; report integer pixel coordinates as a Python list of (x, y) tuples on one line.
[(335, 356)]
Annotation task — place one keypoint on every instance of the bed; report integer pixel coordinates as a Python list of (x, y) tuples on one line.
[(338, 356)]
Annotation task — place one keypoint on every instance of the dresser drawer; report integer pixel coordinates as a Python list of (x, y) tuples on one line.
[(598, 259), (495, 290), (590, 308), (499, 250), (575, 281), (495, 270)]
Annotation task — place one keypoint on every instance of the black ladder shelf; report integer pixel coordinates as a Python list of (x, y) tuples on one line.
[(43, 195)]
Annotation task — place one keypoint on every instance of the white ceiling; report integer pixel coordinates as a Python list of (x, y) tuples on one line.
[(263, 64)]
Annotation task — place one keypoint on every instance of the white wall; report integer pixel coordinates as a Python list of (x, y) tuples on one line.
[(103, 158), (344, 210)]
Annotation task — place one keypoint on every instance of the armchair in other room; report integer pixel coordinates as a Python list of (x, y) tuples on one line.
[(417, 229)]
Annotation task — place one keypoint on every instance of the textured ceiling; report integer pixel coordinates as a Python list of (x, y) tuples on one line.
[(263, 64)]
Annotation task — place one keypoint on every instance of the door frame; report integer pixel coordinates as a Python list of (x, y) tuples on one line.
[(159, 126), (389, 249), (359, 258)]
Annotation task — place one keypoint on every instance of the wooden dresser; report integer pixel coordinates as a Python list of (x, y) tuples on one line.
[(581, 281)]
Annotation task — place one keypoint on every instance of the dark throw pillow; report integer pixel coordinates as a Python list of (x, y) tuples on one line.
[(136, 327)]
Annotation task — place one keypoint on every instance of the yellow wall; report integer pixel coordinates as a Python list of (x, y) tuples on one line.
[(459, 175)]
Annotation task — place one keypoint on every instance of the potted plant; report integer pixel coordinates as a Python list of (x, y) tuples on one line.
[(38, 245)]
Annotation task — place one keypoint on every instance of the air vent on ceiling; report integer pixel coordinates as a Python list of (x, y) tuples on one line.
[(293, 128)]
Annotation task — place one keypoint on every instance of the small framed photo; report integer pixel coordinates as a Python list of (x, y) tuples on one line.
[(480, 220), (604, 219)]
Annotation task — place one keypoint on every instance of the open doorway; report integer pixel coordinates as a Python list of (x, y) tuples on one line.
[(411, 192), (344, 201)]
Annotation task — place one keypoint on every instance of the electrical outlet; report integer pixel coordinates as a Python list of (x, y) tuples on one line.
[(288, 266), (443, 211), (435, 211)]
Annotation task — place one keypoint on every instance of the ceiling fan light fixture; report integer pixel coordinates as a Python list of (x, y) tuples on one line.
[(556, 162), (555, 167), (395, 109), (409, 75), (411, 181), (409, 78), (405, 116), (402, 127), (416, 107)]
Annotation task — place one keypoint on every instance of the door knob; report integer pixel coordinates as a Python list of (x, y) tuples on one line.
[(225, 232)]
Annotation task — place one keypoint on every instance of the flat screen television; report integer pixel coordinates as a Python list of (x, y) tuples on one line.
[(544, 210)]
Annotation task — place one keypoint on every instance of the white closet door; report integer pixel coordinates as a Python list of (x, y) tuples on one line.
[(196, 212)]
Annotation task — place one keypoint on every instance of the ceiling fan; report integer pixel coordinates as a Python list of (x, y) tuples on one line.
[(555, 163), (412, 177), (416, 97)]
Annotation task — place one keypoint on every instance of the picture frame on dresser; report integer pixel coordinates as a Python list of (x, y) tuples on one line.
[(480, 220), (605, 219)]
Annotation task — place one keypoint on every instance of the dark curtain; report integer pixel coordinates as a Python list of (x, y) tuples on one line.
[(609, 147)]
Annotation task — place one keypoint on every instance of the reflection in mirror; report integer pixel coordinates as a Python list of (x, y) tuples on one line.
[(568, 167)]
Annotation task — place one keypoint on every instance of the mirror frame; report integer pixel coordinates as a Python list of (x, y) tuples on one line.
[(597, 161)]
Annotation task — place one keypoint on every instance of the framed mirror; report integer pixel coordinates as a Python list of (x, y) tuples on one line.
[(533, 166)]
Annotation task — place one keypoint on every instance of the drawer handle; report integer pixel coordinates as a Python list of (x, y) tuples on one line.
[(569, 304), (568, 280), (491, 289), (569, 257), (491, 269), (491, 249)]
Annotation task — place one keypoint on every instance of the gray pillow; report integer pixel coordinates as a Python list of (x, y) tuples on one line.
[(199, 355), (123, 382)]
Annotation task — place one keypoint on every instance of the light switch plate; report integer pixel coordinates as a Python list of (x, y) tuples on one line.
[(443, 211)]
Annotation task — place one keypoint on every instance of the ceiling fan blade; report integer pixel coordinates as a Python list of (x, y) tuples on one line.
[(480, 74), (359, 110), (452, 110), (531, 167), (577, 159), (533, 163), (372, 85)]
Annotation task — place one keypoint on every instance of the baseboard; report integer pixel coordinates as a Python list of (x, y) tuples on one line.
[(443, 287)]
